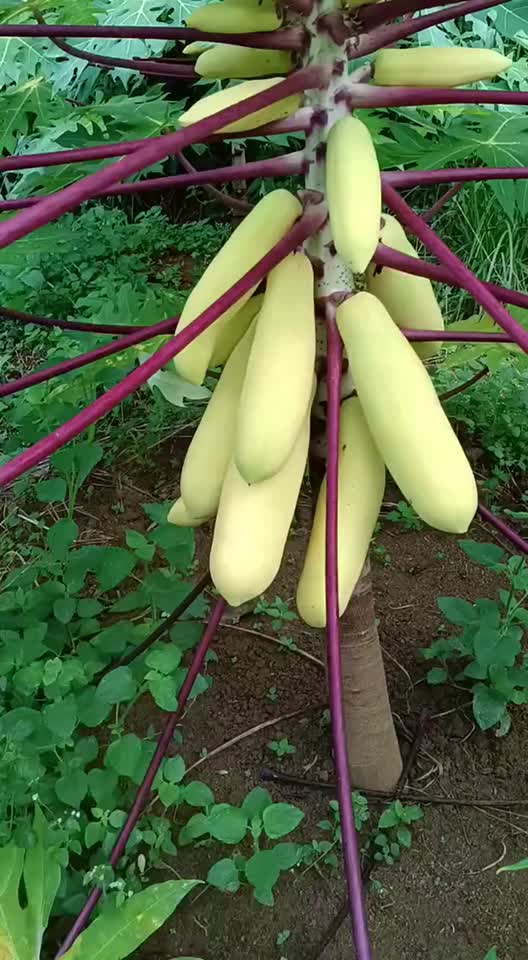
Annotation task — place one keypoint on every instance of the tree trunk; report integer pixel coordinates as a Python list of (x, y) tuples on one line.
[(373, 750)]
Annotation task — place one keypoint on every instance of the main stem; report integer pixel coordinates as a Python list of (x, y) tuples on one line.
[(334, 282)]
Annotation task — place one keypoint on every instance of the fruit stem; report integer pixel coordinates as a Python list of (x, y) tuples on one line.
[(400, 179), (362, 95), (467, 280)]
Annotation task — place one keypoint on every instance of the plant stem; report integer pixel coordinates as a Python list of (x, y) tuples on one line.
[(400, 179), (289, 164), (143, 792), (439, 204), (335, 694), (371, 15), (360, 95), (7, 314), (385, 36), (307, 224), (515, 538), (291, 38), (465, 277), (388, 257), (72, 196)]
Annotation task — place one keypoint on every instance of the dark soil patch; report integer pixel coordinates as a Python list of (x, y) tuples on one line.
[(443, 901)]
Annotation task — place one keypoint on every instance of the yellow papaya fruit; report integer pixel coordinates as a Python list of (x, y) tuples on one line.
[(231, 95), (410, 300), (211, 447), (235, 17), (226, 61), (267, 223), (361, 483), (353, 187), (278, 384), (234, 330), (405, 416), (180, 516), (252, 526), (436, 66)]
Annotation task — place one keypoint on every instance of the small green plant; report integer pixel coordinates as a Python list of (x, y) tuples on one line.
[(381, 555), (488, 642), (393, 832), (258, 820), (278, 610), (405, 515), (319, 853), (281, 748), (272, 694)]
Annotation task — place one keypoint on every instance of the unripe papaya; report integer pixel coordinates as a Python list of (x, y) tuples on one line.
[(353, 187), (405, 416), (410, 300), (233, 331), (436, 66), (235, 17), (226, 61), (252, 526), (231, 95), (180, 516), (278, 384), (361, 483), (197, 47), (211, 447), (263, 227)]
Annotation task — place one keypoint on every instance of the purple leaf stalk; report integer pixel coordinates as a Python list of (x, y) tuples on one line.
[(68, 199), (385, 36), (30, 318), (143, 792), (310, 222), (291, 38), (515, 538), (464, 277), (287, 165)]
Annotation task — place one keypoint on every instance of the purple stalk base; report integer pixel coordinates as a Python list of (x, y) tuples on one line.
[(515, 538), (7, 314), (387, 257), (439, 204), (291, 38), (309, 223), (91, 356), (385, 36), (143, 792), (455, 336), (298, 122), (467, 280), (370, 97), (287, 165), (69, 198), (399, 179), (335, 690)]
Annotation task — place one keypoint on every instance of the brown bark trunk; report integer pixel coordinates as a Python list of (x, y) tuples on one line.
[(373, 750)]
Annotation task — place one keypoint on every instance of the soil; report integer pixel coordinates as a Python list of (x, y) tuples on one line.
[(443, 900)]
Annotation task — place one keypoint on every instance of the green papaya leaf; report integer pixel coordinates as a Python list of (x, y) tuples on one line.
[(42, 876), (13, 920)]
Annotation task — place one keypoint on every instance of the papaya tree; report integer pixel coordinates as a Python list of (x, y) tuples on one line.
[(322, 316)]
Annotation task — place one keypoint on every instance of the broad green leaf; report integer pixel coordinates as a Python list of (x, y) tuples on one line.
[(164, 658), (115, 564), (456, 610), (102, 785), (88, 607), (256, 802), (198, 794), (170, 794), (51, 491), (117, 686), (91, 709), (64, 609), (487, 554), (174, 769), (61, 536), (61, 717), (140, 545), (14, 925), (175, 389), (437, 675), (227, 823), (488, 706), (287, 854), (116, 934), (72, 788), (224, 876), (280, 819), (262, 872), (124, 755), (197, 826)]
